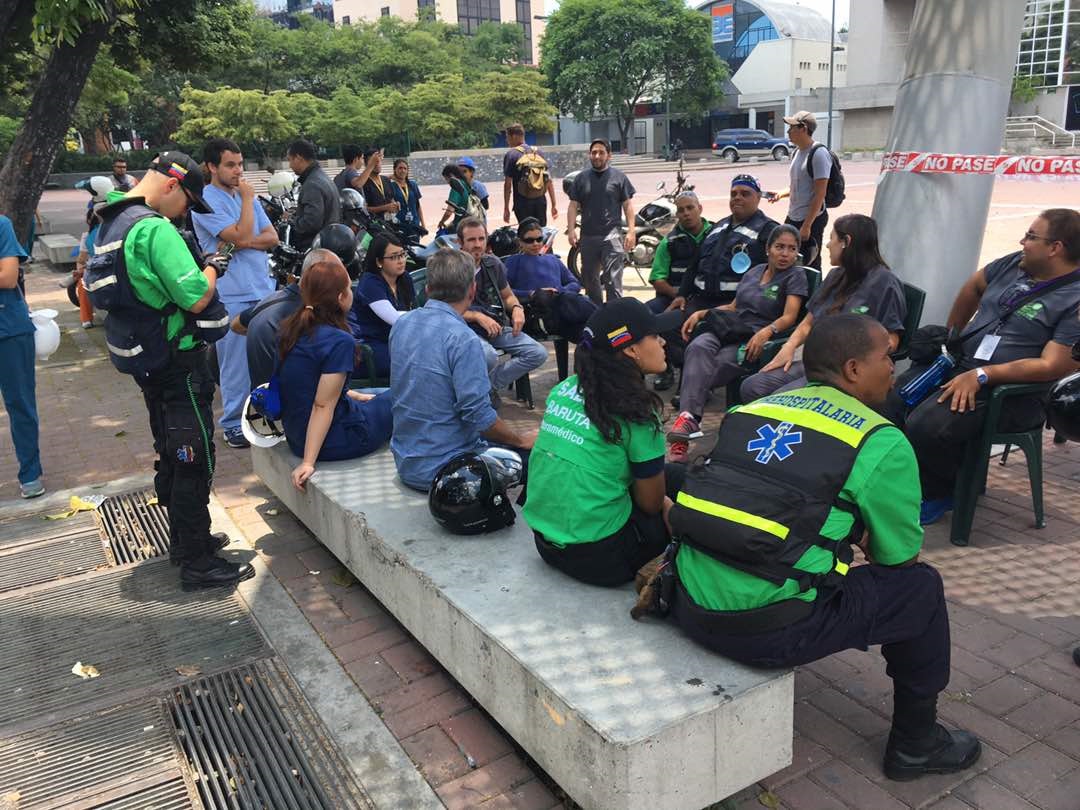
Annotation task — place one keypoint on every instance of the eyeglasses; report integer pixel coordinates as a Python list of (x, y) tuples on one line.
[(393, 257), (532, 240), (1034, 237)]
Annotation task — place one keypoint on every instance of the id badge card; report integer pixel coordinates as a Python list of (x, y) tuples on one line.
[(987, 346)]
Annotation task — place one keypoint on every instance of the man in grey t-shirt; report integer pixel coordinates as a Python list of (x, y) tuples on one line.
[(807, 210), (1031, 345), (604, 196)]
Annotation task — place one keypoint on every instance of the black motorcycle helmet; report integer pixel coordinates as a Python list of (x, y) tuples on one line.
[(503, 241), (352, 206), (340, 240), (468, 495), (1063, 408)]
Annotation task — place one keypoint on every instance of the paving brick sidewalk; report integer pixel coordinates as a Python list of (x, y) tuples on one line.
[(1013, 604)]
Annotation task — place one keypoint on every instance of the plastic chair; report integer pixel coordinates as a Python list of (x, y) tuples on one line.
[(971, 482), (915, 300)]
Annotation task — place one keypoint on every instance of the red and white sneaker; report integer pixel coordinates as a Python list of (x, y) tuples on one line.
[(685, 427), (678, 451)]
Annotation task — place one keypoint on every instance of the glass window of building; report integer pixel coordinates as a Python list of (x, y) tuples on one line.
[(1050, 43), (471, 13)]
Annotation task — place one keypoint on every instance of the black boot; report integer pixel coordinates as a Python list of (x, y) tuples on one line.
[(919, 745), (214, 544), (1076, 656), (209, 571)]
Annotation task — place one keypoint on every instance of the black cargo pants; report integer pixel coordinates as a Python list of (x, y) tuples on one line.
[(179, 401)]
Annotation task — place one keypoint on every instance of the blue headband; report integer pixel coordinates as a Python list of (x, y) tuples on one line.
[(746, 180)]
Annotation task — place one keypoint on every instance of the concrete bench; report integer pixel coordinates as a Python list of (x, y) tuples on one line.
[(60, 248), (622, 714)]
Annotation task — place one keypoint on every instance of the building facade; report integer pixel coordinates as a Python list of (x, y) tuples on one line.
[(1049, 54), (469, 14), (775, 51)]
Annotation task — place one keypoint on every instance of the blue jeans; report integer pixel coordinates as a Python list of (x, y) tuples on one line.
[(17, 387), (233, 370), (525, 355)]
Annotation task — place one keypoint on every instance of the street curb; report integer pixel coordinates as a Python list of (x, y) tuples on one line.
[(378, 762)]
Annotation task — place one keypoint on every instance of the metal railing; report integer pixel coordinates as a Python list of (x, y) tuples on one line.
[(1035, 126)]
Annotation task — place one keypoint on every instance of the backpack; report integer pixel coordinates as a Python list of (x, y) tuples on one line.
[(532, 171), (476, 208), (834, 192)]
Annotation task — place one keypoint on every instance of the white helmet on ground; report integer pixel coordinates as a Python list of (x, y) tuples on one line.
[(258, 430)]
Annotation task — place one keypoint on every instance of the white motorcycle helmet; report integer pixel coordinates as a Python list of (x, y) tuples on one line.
[(281, 184), (46, 332), (100, 187), (257, 429)]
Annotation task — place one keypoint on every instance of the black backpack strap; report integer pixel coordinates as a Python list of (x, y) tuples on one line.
[(810, 158)]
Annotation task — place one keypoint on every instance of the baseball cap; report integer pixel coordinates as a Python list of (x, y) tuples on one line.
[(188, 172), (467, 162), (624, 322), (802, 117)]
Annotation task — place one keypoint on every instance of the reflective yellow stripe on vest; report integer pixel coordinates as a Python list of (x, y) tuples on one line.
[(734, 515), (808, 419)]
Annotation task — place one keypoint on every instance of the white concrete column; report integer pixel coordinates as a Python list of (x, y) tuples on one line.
[(954, 98), (753, 118)]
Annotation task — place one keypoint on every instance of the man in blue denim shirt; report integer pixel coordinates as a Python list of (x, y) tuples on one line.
[(441, 391)]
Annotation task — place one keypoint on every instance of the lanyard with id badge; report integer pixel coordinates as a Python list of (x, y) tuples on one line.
[(918, 389)]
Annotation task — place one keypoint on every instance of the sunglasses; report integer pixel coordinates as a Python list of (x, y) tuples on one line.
[(393, 257), (532, 240)]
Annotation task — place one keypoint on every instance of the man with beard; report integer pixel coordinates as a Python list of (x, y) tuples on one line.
[(238, 220)]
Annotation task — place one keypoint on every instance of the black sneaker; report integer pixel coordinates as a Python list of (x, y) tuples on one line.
[(234, 437), (217, 541), (941, 751), (209, 571)]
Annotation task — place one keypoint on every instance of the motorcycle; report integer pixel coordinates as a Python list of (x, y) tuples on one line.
[(652, 223)]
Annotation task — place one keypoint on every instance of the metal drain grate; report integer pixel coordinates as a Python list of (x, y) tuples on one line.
[(34, 550), (171, 795), (252, 742), (111, 754), (136, 527), (135, 625)]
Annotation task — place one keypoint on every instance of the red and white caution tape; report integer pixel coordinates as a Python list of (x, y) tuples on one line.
[(1042, 167)]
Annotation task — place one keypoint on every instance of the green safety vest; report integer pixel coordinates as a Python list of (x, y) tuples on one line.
[(759, 501)]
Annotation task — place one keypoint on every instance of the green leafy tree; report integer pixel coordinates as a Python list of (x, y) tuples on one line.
[(108, 88), (250, 117), (604, 58), (498, 43), (68, 36)]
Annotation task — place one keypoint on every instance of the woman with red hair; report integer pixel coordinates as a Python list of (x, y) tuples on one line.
[(323, 419)]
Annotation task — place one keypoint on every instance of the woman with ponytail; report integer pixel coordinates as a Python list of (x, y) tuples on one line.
[(596, 473), (323, 419)]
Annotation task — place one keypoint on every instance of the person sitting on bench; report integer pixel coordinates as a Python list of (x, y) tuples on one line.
[(323, 419), (596, 481), (763, 572), (548, 288)]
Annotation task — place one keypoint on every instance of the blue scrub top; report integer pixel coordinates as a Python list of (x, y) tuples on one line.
[(372, 288), (326, 351), (14, 314)]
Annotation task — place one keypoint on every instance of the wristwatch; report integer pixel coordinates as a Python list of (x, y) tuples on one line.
[(982, 376)]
